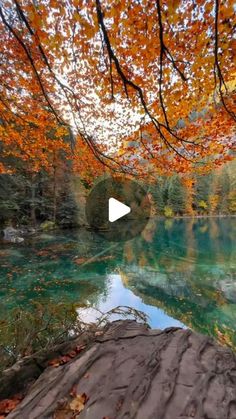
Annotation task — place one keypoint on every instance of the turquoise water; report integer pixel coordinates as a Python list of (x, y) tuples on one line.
[(179, 272)]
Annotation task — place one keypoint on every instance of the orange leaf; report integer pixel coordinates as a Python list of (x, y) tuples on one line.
[(7, 405), (77, 405)]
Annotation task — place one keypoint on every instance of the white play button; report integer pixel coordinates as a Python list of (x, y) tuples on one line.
[(117, 209)]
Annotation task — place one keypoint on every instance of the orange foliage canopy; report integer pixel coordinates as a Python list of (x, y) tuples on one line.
[(136, 87)]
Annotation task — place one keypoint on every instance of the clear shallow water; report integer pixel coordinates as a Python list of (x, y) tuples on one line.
[(179, 272)]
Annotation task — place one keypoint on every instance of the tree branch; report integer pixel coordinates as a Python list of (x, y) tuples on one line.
[(217, 70), (127, 82)]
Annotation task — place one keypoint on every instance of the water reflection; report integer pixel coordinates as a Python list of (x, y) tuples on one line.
[(121, 296), (178, 272), (189, 269)]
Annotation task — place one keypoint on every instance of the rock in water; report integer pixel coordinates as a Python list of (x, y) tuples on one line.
[(134, 372), (12, 235)]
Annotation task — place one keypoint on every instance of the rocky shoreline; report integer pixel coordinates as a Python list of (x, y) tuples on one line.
[(126, 370)]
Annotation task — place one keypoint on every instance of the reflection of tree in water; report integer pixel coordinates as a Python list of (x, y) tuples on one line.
[(53, 269), (188, 269), (48, 278), (185, 267)]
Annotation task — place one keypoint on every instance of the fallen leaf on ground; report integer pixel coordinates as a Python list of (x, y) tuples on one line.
[(77, 405), (70, 410), (63, 414), (54, 363), (66, 358), (7, 405)]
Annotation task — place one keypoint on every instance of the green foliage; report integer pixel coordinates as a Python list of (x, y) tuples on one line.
[(176, 195), (202, 189), (203, 205), (158, 192), (47, 225), (12, 189), (232, 202), (214, 193), (30, 199), (223, 191), (168, 212), (25, 331), (67, 212)]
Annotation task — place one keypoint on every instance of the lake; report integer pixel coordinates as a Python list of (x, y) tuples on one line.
[(179, 272)]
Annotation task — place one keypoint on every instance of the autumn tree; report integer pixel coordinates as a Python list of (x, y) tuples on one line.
[(158, 75)]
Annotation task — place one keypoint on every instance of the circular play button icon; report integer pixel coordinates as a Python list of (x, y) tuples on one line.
[(118, 209)]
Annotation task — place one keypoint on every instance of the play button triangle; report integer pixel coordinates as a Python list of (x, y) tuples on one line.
[(117, 209)]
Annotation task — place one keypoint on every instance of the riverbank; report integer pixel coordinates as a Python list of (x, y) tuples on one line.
[(127, 370), (18, 235)]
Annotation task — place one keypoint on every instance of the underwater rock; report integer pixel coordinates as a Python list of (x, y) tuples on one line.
[(228, 287), (12, 235)]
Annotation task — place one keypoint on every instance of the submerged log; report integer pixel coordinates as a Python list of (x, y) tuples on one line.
[(131, 371)]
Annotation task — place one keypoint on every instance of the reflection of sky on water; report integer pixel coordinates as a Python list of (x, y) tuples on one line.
[(120, 296), (185, 268)]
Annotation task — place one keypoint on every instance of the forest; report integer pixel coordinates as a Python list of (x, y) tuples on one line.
[(163, 115), (59, 197), (77, 102), (126, 90)]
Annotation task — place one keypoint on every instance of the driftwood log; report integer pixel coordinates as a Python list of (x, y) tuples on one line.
[(131, 371)]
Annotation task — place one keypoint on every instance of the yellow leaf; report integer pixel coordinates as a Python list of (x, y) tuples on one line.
[(78, 403)]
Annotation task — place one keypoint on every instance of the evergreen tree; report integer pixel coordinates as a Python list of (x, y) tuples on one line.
[(67, 212), (157, 192), (201, 193), (177, 195), (224, 190)]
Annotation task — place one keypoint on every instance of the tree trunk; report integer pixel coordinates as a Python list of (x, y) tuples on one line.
[(54, 190), (32, 205)]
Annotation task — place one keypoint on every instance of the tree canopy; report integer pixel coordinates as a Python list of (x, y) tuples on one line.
[(123, 85)]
